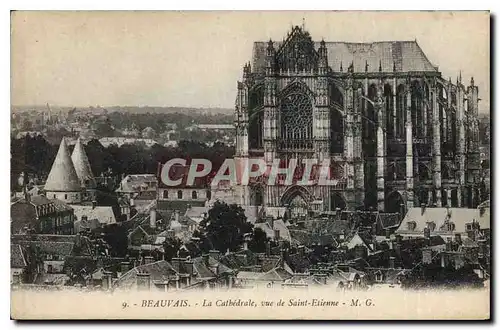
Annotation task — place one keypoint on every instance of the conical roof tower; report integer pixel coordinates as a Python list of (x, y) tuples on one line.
[(62, 176), (82, 166)]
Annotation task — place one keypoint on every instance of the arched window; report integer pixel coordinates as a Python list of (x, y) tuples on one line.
[(389, 110), (296, 118), (179, 194), (256, 117), (194, 194), (400, 112), (369, 128), (336, 120)]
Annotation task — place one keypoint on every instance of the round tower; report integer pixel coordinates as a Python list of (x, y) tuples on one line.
[(84, 171), (62, 182)]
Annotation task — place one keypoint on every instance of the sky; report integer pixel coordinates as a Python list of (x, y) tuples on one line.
[(194, 59)]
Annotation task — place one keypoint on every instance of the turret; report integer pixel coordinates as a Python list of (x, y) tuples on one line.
[(323, 58), (62, 182), (270, 58)]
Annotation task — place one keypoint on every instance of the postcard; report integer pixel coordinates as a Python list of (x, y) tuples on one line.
[(250, 165)]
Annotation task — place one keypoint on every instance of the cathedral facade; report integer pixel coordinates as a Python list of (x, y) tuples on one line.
[(396, 132)]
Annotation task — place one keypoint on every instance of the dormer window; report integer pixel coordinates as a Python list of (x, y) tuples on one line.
[(448, 226), (412, 225), (431, 225)]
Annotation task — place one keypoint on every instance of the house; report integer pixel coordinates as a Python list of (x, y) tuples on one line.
[(119, 141), (275, 229), (136, 184), (196, 192), (445, 222), (18, 264), (43, 215), (179, 274), (90, 213)]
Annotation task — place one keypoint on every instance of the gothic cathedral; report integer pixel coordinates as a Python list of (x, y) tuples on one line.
[(397, 133)]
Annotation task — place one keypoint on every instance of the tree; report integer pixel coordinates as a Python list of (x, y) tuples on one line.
[(224, 227), (148, 133), (258, 242)]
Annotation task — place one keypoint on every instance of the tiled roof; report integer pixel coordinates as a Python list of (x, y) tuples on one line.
[(438, 215), (407, 56), (196, 211), (62, 176), (17, 259), (277, 225), (62, 249), (388, 220), (159, 271), (104, 214), (40, 200), (61, 206), (138, 182)]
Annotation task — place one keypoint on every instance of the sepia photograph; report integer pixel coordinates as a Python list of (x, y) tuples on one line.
[(250, 165)]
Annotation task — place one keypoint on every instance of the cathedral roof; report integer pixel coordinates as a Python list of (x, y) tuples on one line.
[(62, 176), (406, 56), (82, 165)]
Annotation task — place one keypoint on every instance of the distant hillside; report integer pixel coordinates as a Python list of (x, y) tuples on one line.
[(129, 109)]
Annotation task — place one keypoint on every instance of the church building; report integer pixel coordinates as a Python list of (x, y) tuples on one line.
[(398, 134)]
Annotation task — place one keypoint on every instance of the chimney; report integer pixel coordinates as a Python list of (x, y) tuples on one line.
[(426, 256), (143, 281), (277, 234), (471, 234), (360, 251), (176, 264), (152, 218), (132, 202), (284, 256), (189, 267), (422, 208), (176, 215), (374, 229), (124, 267), (427, 233), (106, 280), (148, 260), (215, 254), (206, 259), (301, 249), (94, 204), (448, 244), (392, 262)]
